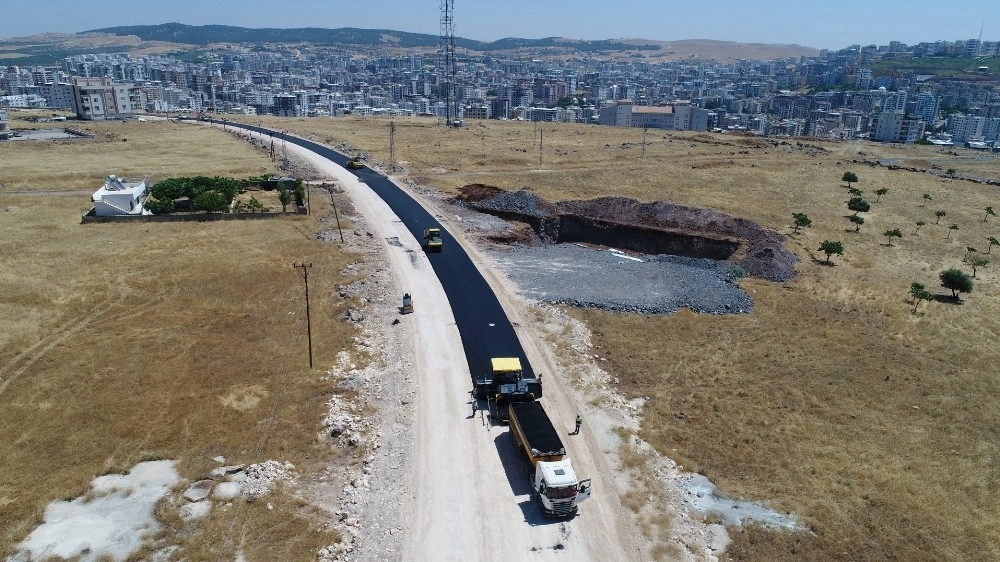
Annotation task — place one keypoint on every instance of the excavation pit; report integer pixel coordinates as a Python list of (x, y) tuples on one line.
[(622, 255)]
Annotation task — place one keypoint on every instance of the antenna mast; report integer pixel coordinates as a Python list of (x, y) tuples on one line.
[(446, 51)]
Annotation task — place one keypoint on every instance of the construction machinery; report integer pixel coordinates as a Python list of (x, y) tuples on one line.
[(407, 307), (432, 239), (355, 163), (504, 383), (553, 478)]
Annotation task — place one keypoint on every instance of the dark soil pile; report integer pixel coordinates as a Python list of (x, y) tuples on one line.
[(762, 253)]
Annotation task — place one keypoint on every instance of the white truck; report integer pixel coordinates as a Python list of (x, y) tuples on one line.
[(553, 480)]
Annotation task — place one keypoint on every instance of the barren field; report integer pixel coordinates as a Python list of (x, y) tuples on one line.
[(831, 400), (159, 149), (126, 342)]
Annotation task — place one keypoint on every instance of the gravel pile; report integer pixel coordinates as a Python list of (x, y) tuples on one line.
[(262, 477), (765, 255), (597, 278)]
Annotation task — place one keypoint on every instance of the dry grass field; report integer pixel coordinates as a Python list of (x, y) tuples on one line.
[(159, 149), (832, 400), (122, 342)]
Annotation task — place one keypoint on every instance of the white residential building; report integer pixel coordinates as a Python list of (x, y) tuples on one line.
[(4, 132), (927, 107), (676, 117), (972, 128), (120, 196), (896, 127)]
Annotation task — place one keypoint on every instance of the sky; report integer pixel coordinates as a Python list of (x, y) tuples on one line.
[(823, 25)]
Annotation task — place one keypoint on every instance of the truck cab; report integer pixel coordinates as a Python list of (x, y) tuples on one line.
[(553, 478), (559, 491)]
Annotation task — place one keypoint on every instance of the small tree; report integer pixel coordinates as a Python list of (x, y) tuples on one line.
[(285, 197), (919, 293), (989, 211), (849, 177), (969, 250), (993, 242), (858, 205), (977, 262), (951, 172), (829, 248), (879, 193), (957, 281), (211, 201), (919, 224), (801, 221), (855, 192), (939, 215), (951, 228), (927, 197), (857, 220), (890, 234)]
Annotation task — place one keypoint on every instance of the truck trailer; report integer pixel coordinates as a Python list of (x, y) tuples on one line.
[(553, 479)]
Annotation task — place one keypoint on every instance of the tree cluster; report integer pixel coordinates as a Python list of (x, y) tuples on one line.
[(212, 195)]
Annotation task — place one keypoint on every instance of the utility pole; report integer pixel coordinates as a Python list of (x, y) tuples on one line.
[(541, 135), (392, 144), (336, 216), (644, 130), (305, 276)]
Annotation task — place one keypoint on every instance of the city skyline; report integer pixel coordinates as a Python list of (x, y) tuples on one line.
[(782, 22)]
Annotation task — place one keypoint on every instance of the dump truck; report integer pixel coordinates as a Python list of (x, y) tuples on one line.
[(553, 480), (432, 239), (355, 163), (504, 382)]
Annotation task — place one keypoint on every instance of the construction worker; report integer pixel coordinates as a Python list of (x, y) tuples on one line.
[(579, 422)]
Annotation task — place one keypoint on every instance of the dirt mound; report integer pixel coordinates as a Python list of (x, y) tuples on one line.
[(497, 201), (652, 228)]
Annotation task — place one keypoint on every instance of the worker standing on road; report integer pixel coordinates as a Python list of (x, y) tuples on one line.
[(579, 422)]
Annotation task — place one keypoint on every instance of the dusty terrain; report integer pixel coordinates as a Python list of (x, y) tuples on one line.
[(831, 400), (789, 405), (464, 493)]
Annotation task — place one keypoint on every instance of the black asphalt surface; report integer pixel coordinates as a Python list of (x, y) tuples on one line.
[(486, 332)]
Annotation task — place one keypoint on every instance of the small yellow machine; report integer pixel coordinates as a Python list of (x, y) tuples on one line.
[(432, 239)]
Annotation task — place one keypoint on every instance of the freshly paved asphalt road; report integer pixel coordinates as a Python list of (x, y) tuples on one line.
[(486, 332)]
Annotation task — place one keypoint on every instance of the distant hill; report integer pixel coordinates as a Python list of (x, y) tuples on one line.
[(140, 40), (207, 34)]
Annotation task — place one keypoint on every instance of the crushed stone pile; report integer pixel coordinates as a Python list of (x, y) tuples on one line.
[(261, 477), (766, 257)]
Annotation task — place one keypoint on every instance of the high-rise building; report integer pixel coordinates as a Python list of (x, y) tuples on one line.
[(927, 107)]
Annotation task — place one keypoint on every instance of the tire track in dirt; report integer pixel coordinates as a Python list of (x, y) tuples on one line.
[(103, 312), (17, 366)]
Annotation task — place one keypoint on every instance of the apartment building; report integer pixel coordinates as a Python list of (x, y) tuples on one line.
[(896, 128), (58, 95), (98, 99), (973, 128)]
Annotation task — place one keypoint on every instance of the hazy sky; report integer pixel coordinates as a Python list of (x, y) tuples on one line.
[(830, 25)]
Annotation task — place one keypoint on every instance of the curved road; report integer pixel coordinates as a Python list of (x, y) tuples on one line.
[(485, 329)]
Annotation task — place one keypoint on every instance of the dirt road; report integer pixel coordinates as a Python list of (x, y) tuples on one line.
[(464, 494)]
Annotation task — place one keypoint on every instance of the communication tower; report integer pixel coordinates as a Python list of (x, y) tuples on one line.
[(446, 52)]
